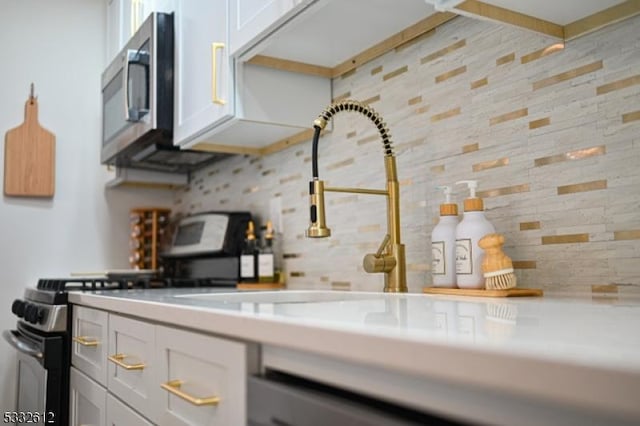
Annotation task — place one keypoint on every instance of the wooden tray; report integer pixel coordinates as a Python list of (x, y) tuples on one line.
[(511, 292), (260, 286)]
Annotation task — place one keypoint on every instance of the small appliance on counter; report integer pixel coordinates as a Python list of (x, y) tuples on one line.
[(206, 249)]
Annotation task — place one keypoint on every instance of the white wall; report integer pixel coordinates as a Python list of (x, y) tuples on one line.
[(60, 46)]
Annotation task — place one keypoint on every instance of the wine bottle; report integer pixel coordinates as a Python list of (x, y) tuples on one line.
[(249, 256), (266, 268)]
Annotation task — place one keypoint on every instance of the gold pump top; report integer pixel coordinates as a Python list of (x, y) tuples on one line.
[(473, 205), (448, 209)]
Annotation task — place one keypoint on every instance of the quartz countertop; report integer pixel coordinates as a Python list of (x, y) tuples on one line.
[(578, 351)]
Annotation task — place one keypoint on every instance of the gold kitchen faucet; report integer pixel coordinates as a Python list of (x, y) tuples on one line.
[(390, 257)]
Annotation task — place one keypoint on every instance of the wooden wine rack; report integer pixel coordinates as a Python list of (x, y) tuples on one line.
[(147, 229)]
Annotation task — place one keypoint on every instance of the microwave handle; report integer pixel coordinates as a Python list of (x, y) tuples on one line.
[(127, 113), (132, 57)]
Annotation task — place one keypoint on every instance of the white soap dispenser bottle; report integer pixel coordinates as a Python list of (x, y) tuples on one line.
[(473, 226), (443, 243)]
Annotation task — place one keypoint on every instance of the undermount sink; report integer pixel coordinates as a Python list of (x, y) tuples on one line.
[(284, 296)]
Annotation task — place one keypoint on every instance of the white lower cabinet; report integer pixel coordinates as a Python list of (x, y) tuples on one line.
[(155, 374), (132, 364), (89, 342), (203, 377), (87, 400), (119, 414)]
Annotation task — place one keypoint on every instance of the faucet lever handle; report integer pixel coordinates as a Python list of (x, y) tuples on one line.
[(383, 245)]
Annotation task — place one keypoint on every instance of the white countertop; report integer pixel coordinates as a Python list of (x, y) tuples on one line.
[(578, 352)]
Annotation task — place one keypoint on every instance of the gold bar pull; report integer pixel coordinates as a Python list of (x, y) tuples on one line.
[(214, 74), (173, 386), (117, 359), (85, 341)]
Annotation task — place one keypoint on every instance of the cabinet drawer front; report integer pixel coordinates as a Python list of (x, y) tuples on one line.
[(131, 363), (89, 342), (204, 379), (87, 400), (118, 414)]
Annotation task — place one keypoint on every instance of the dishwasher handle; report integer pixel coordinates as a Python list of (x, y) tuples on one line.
[(27, 348)]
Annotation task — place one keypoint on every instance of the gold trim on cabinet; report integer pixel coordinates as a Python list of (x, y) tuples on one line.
[(496, 13), (291, 66), (86, 341), (117, 360), (214, 74), (600, 19), (173, 386), (398, 39)]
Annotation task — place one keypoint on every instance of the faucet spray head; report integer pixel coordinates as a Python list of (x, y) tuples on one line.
[(317, 226)]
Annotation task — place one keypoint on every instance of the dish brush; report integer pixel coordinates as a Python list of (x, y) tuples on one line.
[(497, 267)]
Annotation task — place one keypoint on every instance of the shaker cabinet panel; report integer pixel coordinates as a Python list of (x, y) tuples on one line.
[(249, 18), (119, 414), (87, 400), (203, 379), (124, 17), (132, 364), (89, 342), (203, 71)]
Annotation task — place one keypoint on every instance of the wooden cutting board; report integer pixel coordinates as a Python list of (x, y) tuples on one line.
[(29, 157)]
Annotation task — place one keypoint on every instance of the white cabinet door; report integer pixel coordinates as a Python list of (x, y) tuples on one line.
[(203, 78), (248, 18), (118, 414), (204, 379), (89, 345), (124, 17), (132, 364), (87, 400)]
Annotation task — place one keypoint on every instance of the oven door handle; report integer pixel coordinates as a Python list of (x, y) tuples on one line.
[(12, 336)]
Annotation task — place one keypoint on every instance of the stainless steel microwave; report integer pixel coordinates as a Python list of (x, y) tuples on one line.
[(137, 104)]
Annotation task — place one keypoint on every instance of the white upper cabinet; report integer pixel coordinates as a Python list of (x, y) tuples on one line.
[(124, 17), (203, 71), (250, 18), (234, 106), (330, 32)]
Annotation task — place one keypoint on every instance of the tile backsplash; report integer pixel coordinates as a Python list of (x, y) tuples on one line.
[(550, 130)]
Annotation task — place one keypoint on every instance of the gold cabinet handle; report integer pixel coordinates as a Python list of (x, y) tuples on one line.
[(214, 74), (117, 360), (85, 341), (173, 386)]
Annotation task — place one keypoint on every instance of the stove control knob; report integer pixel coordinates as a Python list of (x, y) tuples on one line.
[(18, 307), (33, 314)]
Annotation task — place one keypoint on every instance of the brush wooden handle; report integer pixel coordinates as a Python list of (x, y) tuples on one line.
[(494, 257)]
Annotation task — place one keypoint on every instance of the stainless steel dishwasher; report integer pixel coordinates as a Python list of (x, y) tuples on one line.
[(278, 399)]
